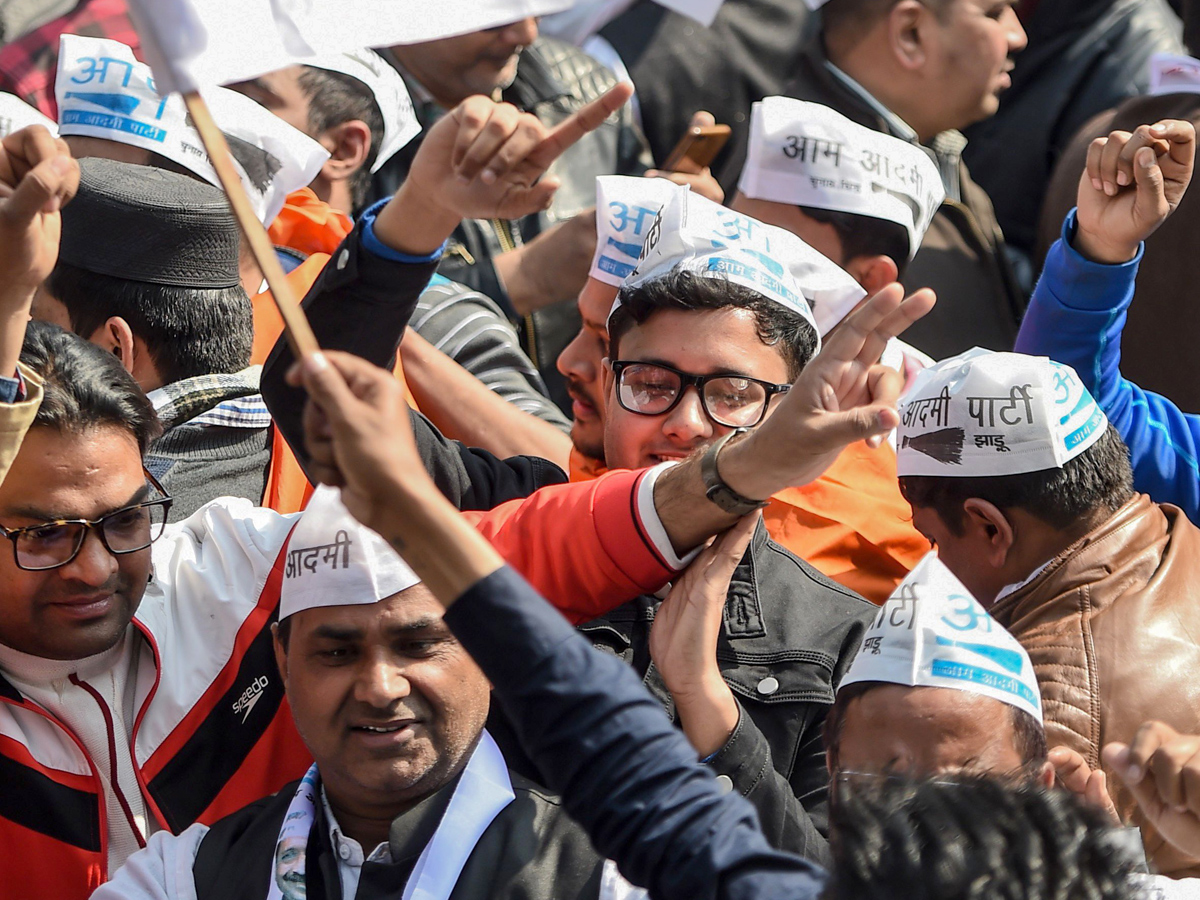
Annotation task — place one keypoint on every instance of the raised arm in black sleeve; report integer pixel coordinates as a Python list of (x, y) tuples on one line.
[(624, 772), (361, 303)]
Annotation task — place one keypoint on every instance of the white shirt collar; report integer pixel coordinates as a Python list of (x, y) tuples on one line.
[(1010, 589), (349, 851)]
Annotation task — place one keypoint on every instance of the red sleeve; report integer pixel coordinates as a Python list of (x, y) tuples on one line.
[(581, 545)]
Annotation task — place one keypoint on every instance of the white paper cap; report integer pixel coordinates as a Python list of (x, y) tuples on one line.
[(395, 105), (715, 242), (806, 154), (983, 414), (1172, 73), (16, 114), (334, 560), (288, 159), (933, 633), (104, 92), (626, 207)]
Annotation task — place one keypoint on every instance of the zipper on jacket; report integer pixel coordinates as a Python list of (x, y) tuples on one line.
[(508, 242), (113, 771)]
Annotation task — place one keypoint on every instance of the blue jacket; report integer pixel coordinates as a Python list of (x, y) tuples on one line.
[(624, 772), (1076, 317)]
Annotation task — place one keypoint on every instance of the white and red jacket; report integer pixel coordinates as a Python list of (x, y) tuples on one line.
[(212, 730)]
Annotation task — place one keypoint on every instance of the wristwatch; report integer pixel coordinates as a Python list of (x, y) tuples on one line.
[(718, 491)]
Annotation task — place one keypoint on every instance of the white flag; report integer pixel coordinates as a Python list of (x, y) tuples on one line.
[(192, 43)]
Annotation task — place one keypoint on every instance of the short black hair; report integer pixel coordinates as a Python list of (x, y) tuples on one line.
[(283, 628), (853, 18), (865, 235), (778, 326), (973, 838), (1098, 479), (85, 387), (334, 98), (1029, 736), (188, 331)]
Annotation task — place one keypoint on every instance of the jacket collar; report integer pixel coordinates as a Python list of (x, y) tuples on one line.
[(1088, 560), (945, 149)]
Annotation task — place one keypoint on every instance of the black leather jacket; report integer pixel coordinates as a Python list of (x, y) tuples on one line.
[(790, 635), (553, 80)]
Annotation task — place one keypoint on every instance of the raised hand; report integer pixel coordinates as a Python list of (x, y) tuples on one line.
[(1162, 768), (485, 160), (683, 641), (844, 395), (357, 431), (1131, 183), (37, 176)]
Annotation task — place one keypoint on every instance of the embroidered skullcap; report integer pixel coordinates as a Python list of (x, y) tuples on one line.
[(145, 224)]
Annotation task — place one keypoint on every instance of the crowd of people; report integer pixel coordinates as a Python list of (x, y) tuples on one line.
[(780, 521)]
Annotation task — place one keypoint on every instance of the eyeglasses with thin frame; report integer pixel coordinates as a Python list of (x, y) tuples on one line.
[(653, 389), (51, 545)]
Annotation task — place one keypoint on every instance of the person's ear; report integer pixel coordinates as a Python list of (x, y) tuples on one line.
[(280, 653), (116, 337), (992, 529), (906, 40), (1046, 776), (608, 378), (349, 145), (873, 272)]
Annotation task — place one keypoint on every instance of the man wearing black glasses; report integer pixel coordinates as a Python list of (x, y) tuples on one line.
[(696, 358)]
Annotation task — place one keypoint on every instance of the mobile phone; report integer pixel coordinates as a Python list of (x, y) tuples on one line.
[(697, 149)]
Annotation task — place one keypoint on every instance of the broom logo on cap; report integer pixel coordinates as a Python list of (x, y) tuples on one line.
[(944, 445)]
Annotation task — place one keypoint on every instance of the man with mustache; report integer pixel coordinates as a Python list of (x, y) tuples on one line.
[(406, 785)]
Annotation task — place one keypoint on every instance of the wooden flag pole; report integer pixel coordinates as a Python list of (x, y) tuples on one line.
[(299, 334)]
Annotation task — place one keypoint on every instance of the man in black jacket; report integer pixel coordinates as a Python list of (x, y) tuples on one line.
[(408, 790)]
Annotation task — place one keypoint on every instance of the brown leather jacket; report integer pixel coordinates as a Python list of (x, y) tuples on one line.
[(1113, 630)]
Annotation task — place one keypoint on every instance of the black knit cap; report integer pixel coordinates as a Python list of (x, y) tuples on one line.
[(145, 224)]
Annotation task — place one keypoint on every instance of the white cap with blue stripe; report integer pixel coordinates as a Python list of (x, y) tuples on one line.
[(981, 414), (933, 633), (703, 237), (626, 207)]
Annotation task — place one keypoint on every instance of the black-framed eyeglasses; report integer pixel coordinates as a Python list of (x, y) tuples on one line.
[(51, 545), (651, 389)]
